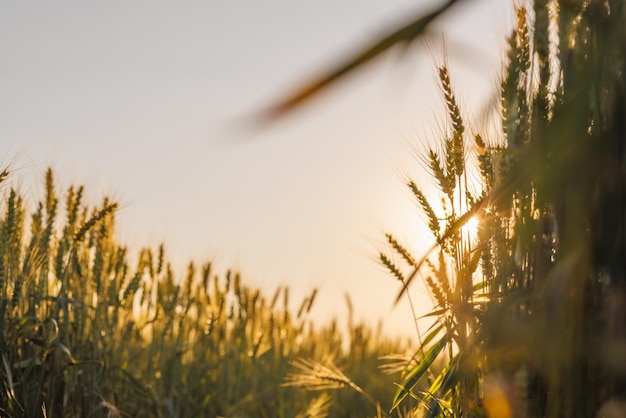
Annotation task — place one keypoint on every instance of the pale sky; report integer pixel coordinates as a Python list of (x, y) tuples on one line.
[(142, 100)]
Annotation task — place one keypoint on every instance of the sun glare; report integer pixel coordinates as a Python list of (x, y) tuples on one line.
[(470, 229)]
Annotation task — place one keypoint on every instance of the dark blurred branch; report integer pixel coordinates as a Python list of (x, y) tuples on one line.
[(404, 35)]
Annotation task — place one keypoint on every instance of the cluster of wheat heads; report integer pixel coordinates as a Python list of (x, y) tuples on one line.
[(452, 275), (528, 314), (87, 329), (549, 337)]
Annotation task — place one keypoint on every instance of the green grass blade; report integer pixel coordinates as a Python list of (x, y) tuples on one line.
[(416, 374), (446, 380)]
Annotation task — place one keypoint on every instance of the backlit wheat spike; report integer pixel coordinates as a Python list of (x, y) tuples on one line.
[(24, 273), (109, 208), (47, 236), (471, 198), (168, 292), (401, 250), (442, 276), (69, 202), (191, 273), (458, 149), (50, 195), (3, 274), (36, 221), (160, 259), (302, 308), (484, 161), (433, 221), (485, 234), (46, 239), (451, 173), (9, 224), (206, 276), (311, 300), (481, 147), (515, 110), (393, 269), (132, 287), (34, 257), (510, 87), (286, 300), (453, 109), (145, 262), (523, 38), (435, 167), (120, 268), (17, 291), (237, 284), (13, 228), (436, 292), (515, 53), (98, 263), (73, 203), (228, 281), (466, 273), (541, 46)]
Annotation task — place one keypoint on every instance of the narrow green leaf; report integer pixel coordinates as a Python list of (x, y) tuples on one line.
[(446, 380), (431, 336), (480, 285), (437, 313), (411, 380)]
